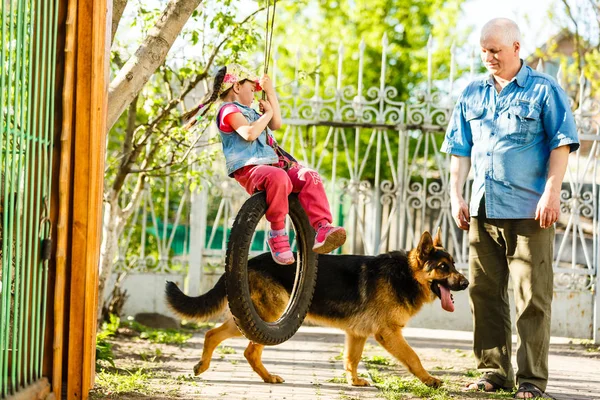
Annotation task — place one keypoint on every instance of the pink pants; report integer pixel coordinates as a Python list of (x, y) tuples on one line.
[(279, 183)]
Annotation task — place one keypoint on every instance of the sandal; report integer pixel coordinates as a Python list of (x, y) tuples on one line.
[(530, 388), (481, 386)]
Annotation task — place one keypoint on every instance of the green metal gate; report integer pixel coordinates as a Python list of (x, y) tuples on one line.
[(27, 71)]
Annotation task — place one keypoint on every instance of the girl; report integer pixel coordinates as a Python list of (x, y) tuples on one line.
[(254, 159)]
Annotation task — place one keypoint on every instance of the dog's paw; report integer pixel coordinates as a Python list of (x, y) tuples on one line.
[(432, 382), (359, 382), (273, 379), (200, 367)]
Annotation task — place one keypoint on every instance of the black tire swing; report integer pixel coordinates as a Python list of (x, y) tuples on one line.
[(236, 261)]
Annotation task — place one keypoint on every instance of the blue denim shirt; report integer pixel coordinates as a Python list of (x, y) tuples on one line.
[(509, 137), (239, 152)]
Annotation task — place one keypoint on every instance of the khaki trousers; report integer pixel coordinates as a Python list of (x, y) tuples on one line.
[(518, 248)]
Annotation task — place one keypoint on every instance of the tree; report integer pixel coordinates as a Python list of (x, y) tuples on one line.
[(408, 25), (132, 76), (151, 83), (581, 18), (148, 138)]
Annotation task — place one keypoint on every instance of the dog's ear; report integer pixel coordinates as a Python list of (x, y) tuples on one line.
[(425, 245), (437, 241)]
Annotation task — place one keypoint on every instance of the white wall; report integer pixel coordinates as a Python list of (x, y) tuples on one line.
[(146, 292), (572, 312)]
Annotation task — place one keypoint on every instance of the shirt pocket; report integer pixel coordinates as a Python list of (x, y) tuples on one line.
[(474, 117), (523, 122)]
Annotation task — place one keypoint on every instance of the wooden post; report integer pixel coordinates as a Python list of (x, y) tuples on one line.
[(64, 188), (88, 150)]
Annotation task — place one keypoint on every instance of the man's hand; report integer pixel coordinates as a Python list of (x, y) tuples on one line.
[(548, 208), (460, 212)]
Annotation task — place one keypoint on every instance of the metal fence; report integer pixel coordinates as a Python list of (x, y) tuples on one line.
[(27, 65), (387, 181)]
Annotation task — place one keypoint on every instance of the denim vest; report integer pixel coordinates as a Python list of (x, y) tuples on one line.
[(240, 152)]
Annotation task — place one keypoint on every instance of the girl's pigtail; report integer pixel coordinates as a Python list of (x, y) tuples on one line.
[(197, 113), (192, 112)]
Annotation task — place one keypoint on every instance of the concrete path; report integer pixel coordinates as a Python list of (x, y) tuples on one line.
[(311, 365)]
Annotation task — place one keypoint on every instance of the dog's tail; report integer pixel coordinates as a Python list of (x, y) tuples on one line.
[(201, 307)]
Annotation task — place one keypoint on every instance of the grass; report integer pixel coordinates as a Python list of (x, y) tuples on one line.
[(588, 344), (193, 326), (114, 382), (103, 346), (122, 381), (225, 350), (457, 352), (104, 353), (593, 349), (317, 385), (110, 329), (377, 360), (502, 394), (339, 357), (186, 378), (396, 387), (151, 356), (337, 379), (164, 336)]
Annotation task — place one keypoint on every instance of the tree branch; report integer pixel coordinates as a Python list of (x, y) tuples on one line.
[(168, 87), (191, 147), (117, 13), (173, 172), (134, 199), (148, 57), (577, 38), (596, 7), (128, 151), (136, 195), (130, 129), (130, 154), (199, 78)]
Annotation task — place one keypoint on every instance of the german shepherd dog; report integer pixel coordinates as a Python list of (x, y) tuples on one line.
[(362, 295)]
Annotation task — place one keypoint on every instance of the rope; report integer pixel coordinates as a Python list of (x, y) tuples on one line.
[(269, 38)]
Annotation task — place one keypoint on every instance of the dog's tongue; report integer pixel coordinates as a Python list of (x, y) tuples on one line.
[(446, 298)]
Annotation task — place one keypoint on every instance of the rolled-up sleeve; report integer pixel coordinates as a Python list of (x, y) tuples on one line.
[(459, 139), (558, 120)]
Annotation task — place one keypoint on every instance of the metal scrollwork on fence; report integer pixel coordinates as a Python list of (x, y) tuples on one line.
[(386, 179)]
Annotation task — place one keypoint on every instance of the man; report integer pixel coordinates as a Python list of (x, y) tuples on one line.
[(516, 128)]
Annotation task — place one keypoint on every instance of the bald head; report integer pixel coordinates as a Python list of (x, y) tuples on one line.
[(501, 29), (500, 45)]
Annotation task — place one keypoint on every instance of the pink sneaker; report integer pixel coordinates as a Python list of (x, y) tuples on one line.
[(280, 249), (329, 238)]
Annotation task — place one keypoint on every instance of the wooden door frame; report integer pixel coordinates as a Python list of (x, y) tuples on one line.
[(80, 146)]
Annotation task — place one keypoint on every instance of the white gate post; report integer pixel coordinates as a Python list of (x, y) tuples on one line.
[(596, 332), (199, 202), (198, 221)]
